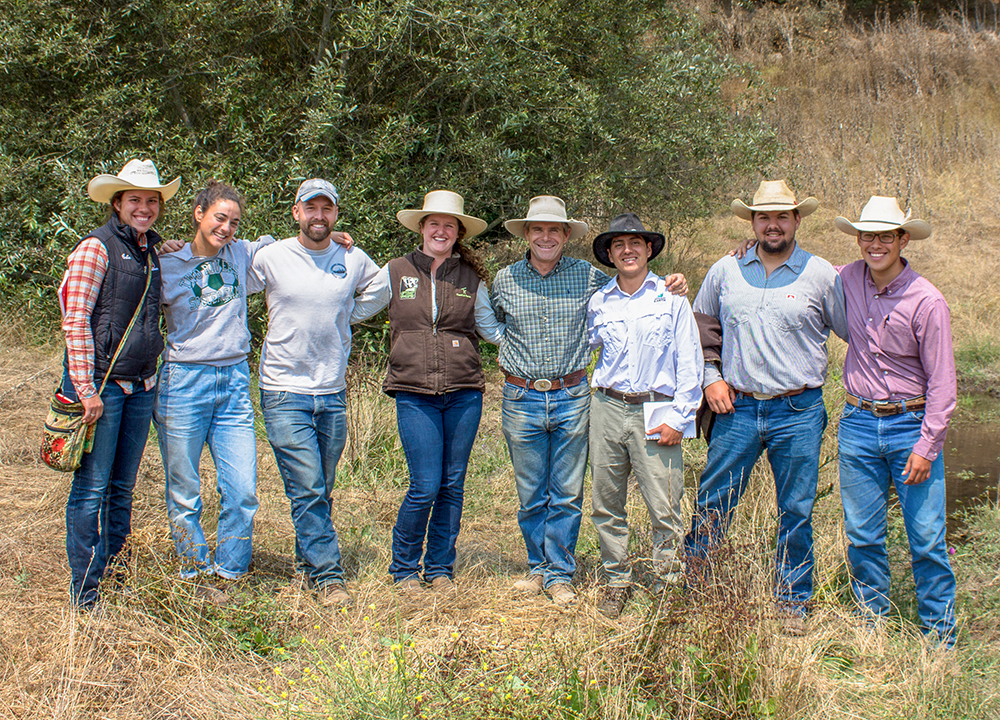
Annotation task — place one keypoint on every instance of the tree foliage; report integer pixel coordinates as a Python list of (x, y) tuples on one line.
[(611, 105)]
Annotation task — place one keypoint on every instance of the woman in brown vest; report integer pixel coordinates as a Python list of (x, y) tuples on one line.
[(437, 300)]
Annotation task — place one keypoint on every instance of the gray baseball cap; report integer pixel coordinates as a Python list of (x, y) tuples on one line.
[(315, 187)]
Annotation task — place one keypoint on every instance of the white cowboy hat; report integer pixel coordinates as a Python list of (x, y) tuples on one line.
[(773, 196), (547, 208), (883, 214), (136, 175), (442, 202)]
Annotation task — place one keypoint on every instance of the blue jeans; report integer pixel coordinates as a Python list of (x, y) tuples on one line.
[(196, 404), (791, 429), (547, 435), (437, 432), (99, 508), (873, 453), (308, 434)]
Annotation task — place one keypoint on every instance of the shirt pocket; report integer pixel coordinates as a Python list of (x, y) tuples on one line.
[(655, 328), (898, 338), (784, 311)]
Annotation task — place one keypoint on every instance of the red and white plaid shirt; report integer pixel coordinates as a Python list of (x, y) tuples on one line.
[(81, 284)]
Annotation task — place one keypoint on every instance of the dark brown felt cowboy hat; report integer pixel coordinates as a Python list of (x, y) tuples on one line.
[(625, 224)]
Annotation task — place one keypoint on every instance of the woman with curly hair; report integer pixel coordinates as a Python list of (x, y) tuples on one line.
[(438, 300)]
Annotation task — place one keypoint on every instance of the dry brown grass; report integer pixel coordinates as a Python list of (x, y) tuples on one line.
[(154, 652)]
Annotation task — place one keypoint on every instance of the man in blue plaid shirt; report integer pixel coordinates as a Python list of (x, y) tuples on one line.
[(544, 353)]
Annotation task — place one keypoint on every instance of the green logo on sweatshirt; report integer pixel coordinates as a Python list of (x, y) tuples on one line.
[(213, 283)]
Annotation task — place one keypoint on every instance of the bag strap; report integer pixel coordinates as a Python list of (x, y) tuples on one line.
[(135, 316)]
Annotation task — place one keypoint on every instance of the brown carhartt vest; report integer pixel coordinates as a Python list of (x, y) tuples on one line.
[(433, 357)]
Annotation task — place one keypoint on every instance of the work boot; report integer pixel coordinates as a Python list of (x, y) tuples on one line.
[(562, 594), (443, 585), (410, 587), (613, 601), (531, 585), (334, 594)]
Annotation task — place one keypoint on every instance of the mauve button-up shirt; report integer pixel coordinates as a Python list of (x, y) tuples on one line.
[(900, 347)]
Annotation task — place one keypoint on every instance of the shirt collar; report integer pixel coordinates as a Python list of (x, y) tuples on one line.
[(898, 283), (532, 268), (651, 280), (795, 262)]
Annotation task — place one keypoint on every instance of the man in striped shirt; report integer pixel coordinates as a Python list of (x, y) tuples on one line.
[(776, 306)]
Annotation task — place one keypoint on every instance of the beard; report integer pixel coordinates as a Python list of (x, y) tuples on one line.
[(316, 233), (776, 247)]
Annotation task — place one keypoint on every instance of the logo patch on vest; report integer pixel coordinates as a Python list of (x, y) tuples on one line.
[(126, 256), (408, 287), (338, 270), (462, 293)]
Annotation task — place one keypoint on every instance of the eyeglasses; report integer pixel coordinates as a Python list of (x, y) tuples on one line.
[(886, 237)]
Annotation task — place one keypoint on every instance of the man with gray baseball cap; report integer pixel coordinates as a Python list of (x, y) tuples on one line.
[(310, 283)]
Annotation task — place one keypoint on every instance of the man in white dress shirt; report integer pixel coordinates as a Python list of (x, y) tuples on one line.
[(647, 391)]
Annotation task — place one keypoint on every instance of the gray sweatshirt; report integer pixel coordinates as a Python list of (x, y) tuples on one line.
[(204, 301)]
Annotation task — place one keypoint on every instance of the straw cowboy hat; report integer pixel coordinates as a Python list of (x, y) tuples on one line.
[(773, 196), (625, 224), (547, 208), (883, 214), (442, 202), (136, 175)]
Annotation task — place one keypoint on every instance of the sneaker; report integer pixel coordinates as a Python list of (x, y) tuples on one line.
[(531, 585), (443, 585), (207, 593), (562, 594), (334, 594), (613, 601), (410, 587)]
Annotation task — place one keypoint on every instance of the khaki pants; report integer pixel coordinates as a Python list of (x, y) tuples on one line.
[(618, 445)]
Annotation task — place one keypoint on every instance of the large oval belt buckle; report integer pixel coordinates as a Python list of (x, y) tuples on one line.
[(544, 385)]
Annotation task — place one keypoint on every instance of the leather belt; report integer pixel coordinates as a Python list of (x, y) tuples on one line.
[(762, 396), (546, 384), (634, 398), (885, 408)]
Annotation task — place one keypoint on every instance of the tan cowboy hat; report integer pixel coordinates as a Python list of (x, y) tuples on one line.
[(442, 202), (136, 175), (883, 214), (547, 208), (773, 196)]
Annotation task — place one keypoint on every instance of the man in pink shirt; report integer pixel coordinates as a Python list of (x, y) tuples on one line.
[(900, 379)]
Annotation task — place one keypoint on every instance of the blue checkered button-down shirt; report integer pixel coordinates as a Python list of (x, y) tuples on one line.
[(546, 317)]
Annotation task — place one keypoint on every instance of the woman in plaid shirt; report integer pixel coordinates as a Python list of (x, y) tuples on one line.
[(112, 276)]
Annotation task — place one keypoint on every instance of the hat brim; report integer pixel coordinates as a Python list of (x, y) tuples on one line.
[(410, 219), (602, 244), (918, 229), (577, 228), (103, 187), (745, 212)]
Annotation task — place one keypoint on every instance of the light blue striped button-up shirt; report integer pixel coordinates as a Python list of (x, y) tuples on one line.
[(774, 329)]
